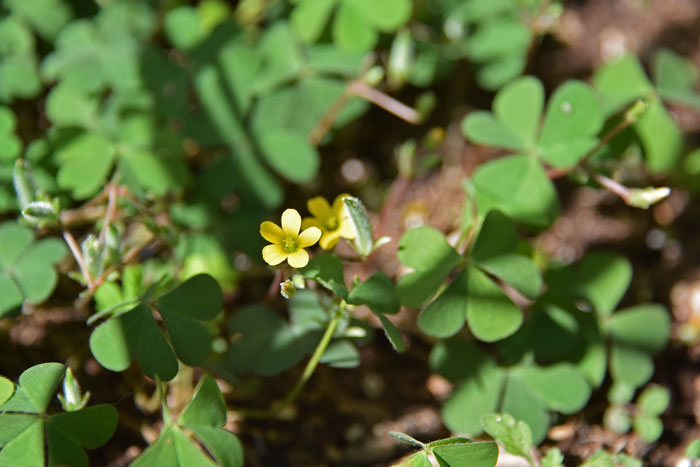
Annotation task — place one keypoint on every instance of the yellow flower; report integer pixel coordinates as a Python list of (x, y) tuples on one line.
[(333, 221), (287, 242)]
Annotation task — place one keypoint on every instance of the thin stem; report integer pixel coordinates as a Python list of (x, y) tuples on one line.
[(620, 190), (311, 365), (109, 215), (385, 101), (326, 122), (75, 249), (315, 358)]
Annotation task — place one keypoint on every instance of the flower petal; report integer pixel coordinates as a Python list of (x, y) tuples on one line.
[(311, 222), (329, 240), (299, 258), (271, 232), (319, 208), (291, 222), (309, 236), (347, 229), (338, 205), (274, 254)]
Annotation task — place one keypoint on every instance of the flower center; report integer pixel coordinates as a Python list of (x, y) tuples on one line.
[(331, 223), (290, 244)]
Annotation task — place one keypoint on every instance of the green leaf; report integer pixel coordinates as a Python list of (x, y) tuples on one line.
[(135, 334), (630, 366), (27, 448), (351, 30), (519, 187), (85, 163), (561, 387), (68, 106), (419, 459), (341, 354), (183, 27), (498, 38), (7, 388), (479, 454), (472, 399), (660, 137), (158, 175), (364, 239), (327, 270), (207, 407), (620, 82), (404, 438), (90, 427), (47, 17), (603, 278), (483, 128), (494, 251), (654, 400), (377, 292), (197, 299), (222, 444), (692, 450), (553, 458), (310, 17), (446, 315), (675, 77), (515, 435), (39, 383), (392, 333), (425, 250), (265, 344), (519, 107), (574, 118), (523, 405), (290, 154), (175, 449), (491, 315), (26, 268), (643, 327), (649, 428)]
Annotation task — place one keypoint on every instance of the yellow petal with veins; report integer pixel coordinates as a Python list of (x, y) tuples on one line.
[(329, 240), (298, 259), (274, 254), (319, 208), (271, 232), (309, 236), (291, 222)]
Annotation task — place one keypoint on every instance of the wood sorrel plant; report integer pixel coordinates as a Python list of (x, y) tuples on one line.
[(151, 143)]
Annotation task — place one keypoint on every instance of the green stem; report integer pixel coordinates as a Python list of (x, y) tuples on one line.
[(315, 358)]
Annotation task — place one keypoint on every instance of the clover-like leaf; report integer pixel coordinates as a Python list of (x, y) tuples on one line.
[(518, 187), (26, 268), (425, 250), (85, 163), (676, 78), (654, 400), (637, 334), (290, 154), (619, 83), (197, 299), (356, 23), (19, 74), (207, 406), (574, 118), (460, 452), (561, 387), (24, 427), (266, 344), (491, 315), (516, 436), (495, 252), (327, 270), (134, 334)]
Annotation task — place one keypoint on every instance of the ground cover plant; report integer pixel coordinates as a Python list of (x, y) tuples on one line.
[(334, 232)]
